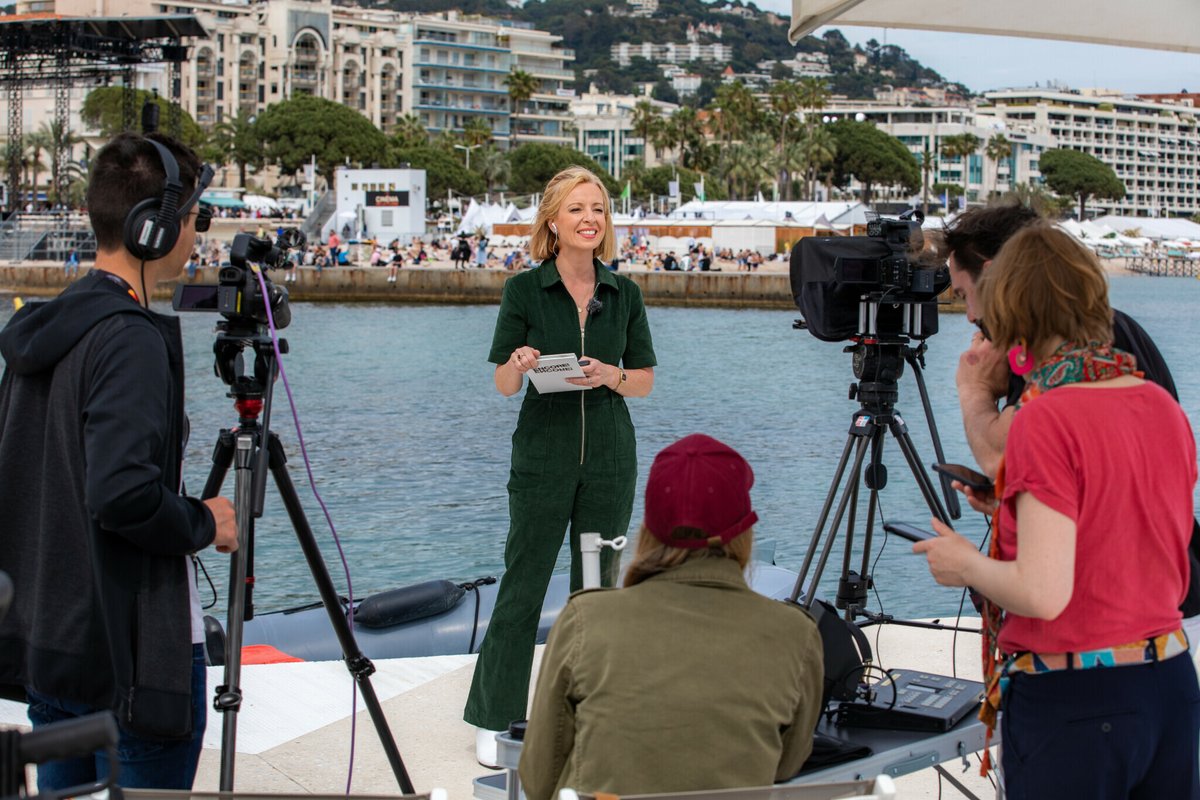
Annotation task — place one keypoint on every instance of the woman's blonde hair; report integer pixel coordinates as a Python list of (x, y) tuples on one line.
[(1042, 286), (653, 557), (543, 243)]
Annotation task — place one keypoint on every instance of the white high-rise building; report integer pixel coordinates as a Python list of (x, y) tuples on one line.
[(1154, 147)]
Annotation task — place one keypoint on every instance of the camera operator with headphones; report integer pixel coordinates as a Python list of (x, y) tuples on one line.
[(97, 534)]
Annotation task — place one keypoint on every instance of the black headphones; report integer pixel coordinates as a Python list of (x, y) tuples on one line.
[(152, 226)]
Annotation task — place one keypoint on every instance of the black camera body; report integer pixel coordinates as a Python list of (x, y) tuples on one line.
[(850, 287), (237, 295)]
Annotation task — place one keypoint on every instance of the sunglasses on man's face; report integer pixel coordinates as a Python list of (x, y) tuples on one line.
[(204, 216)]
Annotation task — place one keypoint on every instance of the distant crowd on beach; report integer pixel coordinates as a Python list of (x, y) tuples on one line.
[(481, 252)]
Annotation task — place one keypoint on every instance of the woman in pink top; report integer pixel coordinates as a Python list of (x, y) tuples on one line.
[(1083, 647)]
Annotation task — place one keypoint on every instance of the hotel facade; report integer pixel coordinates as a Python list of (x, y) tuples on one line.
[(447, 69)]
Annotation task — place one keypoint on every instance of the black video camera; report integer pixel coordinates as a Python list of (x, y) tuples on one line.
[(868, 286), (237, 296)]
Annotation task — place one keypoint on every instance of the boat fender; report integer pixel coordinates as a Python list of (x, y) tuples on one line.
[(408, 604), (214, 641)]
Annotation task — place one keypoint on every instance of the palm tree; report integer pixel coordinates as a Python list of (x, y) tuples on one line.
[(818, 148), (521, 86), (492, 165), (928, 165), (998, 149), (477, 132), (647, 118), (785, 102), (812, 95), (35, 143), (962, 146), (739, 111), (409, 131), (750, 164), (62, 142), (235, 141), (687, 134), (791, 162)]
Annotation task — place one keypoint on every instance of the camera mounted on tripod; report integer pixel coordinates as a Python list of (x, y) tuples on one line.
[(237, 295), (869, 289), (243, 301)]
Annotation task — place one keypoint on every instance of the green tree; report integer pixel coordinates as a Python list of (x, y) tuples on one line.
[(521, 86), (738, 111), (962, 146), (647, 119), (59, 138), (813, 95), (951, 191), (104, 108), (998, 149), (1039, 199), (1079, 175), (443, 171), (534, 164), (749, 165), (657, 182), (492, 165), (477, 132), (685, 135), (235, 141), (872, 157), (409, 131), (819, 150), (298, 129), (35, 144)]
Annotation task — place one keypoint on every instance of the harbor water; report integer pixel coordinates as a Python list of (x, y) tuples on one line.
[(409, 441)]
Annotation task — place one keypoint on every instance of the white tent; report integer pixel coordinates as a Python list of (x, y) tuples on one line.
[(485, 215), (1153, 25), (1153, 227)]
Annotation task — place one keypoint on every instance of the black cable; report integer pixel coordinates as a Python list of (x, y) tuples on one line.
[(207, 577), (473, 586), (142, 273)]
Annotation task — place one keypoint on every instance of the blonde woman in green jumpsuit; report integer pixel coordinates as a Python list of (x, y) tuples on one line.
[(574, 459)]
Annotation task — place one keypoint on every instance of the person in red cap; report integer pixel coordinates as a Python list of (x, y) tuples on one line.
[(686, 679)]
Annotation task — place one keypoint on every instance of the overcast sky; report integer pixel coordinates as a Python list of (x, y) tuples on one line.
[(997, 62)]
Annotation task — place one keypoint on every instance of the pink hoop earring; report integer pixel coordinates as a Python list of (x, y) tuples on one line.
[(1018, 359)]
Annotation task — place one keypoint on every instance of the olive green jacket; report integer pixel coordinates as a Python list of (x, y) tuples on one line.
[(687, 681)]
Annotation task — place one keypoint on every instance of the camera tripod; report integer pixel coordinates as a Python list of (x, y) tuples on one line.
[(253, 449), (876, 417)]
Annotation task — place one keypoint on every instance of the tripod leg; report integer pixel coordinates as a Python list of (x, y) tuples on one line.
[(816, 539), (359, 665), (859, 457), (222, 458), (900, 432), (229, 695)]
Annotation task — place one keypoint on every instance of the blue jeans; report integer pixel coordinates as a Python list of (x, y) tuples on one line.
[(145, 763)]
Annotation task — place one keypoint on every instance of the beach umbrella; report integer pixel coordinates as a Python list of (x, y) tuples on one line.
[(1154, 25)]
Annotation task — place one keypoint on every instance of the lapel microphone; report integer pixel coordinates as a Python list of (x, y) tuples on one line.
[(594, 306)]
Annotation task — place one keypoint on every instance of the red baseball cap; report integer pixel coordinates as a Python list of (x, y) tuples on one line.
[(700, 483)]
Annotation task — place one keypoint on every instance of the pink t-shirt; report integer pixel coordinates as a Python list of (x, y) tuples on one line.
[(1121, 463)]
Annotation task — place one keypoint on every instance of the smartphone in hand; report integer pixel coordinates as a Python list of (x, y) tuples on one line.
[(910, 532), (978, 482)]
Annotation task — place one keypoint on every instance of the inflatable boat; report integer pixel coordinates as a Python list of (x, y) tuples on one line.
[(433, 618)]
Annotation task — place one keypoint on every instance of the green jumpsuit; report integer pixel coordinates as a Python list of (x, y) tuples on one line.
[(574, 461)]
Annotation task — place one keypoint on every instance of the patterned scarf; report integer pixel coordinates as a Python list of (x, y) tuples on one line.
[(1069, 364)]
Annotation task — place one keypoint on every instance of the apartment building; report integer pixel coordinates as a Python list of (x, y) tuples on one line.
[(604, 130), (670, 53), (924, 129), (1152, 145), (446, 69)]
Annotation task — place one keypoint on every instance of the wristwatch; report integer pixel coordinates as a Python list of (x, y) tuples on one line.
[(624, 377)]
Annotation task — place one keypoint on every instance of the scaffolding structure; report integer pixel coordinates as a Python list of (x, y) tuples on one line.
[(47, 50)]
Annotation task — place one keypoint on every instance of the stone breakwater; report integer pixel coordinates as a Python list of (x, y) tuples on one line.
[(448, 285)]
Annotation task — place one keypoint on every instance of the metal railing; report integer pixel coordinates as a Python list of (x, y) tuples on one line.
[(46, 237)]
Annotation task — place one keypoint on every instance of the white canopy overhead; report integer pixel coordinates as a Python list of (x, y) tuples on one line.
[(1152, 24)]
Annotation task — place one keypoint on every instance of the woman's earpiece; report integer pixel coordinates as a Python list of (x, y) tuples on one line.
[(553, 228)]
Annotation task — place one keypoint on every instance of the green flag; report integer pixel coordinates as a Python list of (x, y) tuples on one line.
[(625, 193)]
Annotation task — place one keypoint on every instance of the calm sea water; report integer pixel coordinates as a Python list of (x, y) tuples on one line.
[(410, 442)]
